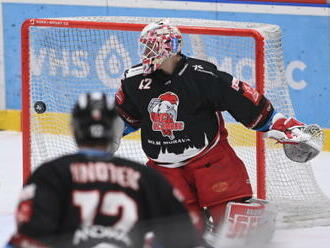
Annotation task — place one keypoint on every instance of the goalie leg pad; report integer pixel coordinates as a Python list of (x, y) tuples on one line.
[(252, 222)]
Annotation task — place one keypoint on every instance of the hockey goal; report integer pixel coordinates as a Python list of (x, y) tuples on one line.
[(62, 58)]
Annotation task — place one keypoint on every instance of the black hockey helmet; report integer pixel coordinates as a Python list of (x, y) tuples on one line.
[(92, 120)]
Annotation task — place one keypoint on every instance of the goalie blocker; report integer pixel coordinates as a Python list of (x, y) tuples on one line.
[(301, 142)]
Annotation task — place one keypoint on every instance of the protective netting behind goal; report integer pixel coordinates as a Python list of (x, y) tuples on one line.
[(65, 57)]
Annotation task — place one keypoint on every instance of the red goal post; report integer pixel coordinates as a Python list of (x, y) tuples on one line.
[(63, 47)]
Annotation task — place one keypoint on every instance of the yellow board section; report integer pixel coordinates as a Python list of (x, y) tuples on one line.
[(10, 120), (326, 140), (52, 123), (59, 123), (238, 135)]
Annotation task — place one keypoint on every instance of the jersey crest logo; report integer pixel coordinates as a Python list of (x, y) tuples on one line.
[(163, 112)]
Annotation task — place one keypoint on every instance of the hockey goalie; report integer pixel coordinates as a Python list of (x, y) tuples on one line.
[(177, 102)]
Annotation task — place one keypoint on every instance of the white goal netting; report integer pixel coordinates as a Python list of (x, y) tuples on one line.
[(65, 57)]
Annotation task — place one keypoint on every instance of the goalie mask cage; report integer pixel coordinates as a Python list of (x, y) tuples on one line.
[(64, 57)]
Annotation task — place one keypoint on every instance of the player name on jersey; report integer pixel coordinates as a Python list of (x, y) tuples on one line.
[(105, 172)]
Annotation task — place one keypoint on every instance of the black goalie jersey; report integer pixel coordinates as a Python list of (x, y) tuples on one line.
[(81, 200), (180, 114)]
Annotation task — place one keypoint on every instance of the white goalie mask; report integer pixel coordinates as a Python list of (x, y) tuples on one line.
[(158, 42)]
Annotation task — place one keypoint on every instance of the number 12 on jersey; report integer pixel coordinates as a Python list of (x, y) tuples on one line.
[(111, 203)]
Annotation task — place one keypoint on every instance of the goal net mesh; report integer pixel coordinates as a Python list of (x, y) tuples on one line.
[(62, 61)]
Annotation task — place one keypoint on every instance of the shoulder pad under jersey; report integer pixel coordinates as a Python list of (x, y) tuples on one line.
[(133, 71)]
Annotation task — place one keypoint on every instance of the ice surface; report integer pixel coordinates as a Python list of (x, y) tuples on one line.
[(10, 183)]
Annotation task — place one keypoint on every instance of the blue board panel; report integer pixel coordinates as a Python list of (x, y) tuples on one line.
[(305, 41)]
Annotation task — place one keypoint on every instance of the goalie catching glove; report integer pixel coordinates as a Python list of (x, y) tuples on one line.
[(301, 142)]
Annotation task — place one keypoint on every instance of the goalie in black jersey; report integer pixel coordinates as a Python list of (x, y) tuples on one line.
[(90, 197), (177, 102)]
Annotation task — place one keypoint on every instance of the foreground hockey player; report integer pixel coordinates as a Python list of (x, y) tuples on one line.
[(177, 102), (90, 197)]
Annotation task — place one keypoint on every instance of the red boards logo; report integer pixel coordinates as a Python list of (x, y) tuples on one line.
[(163, 112)]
